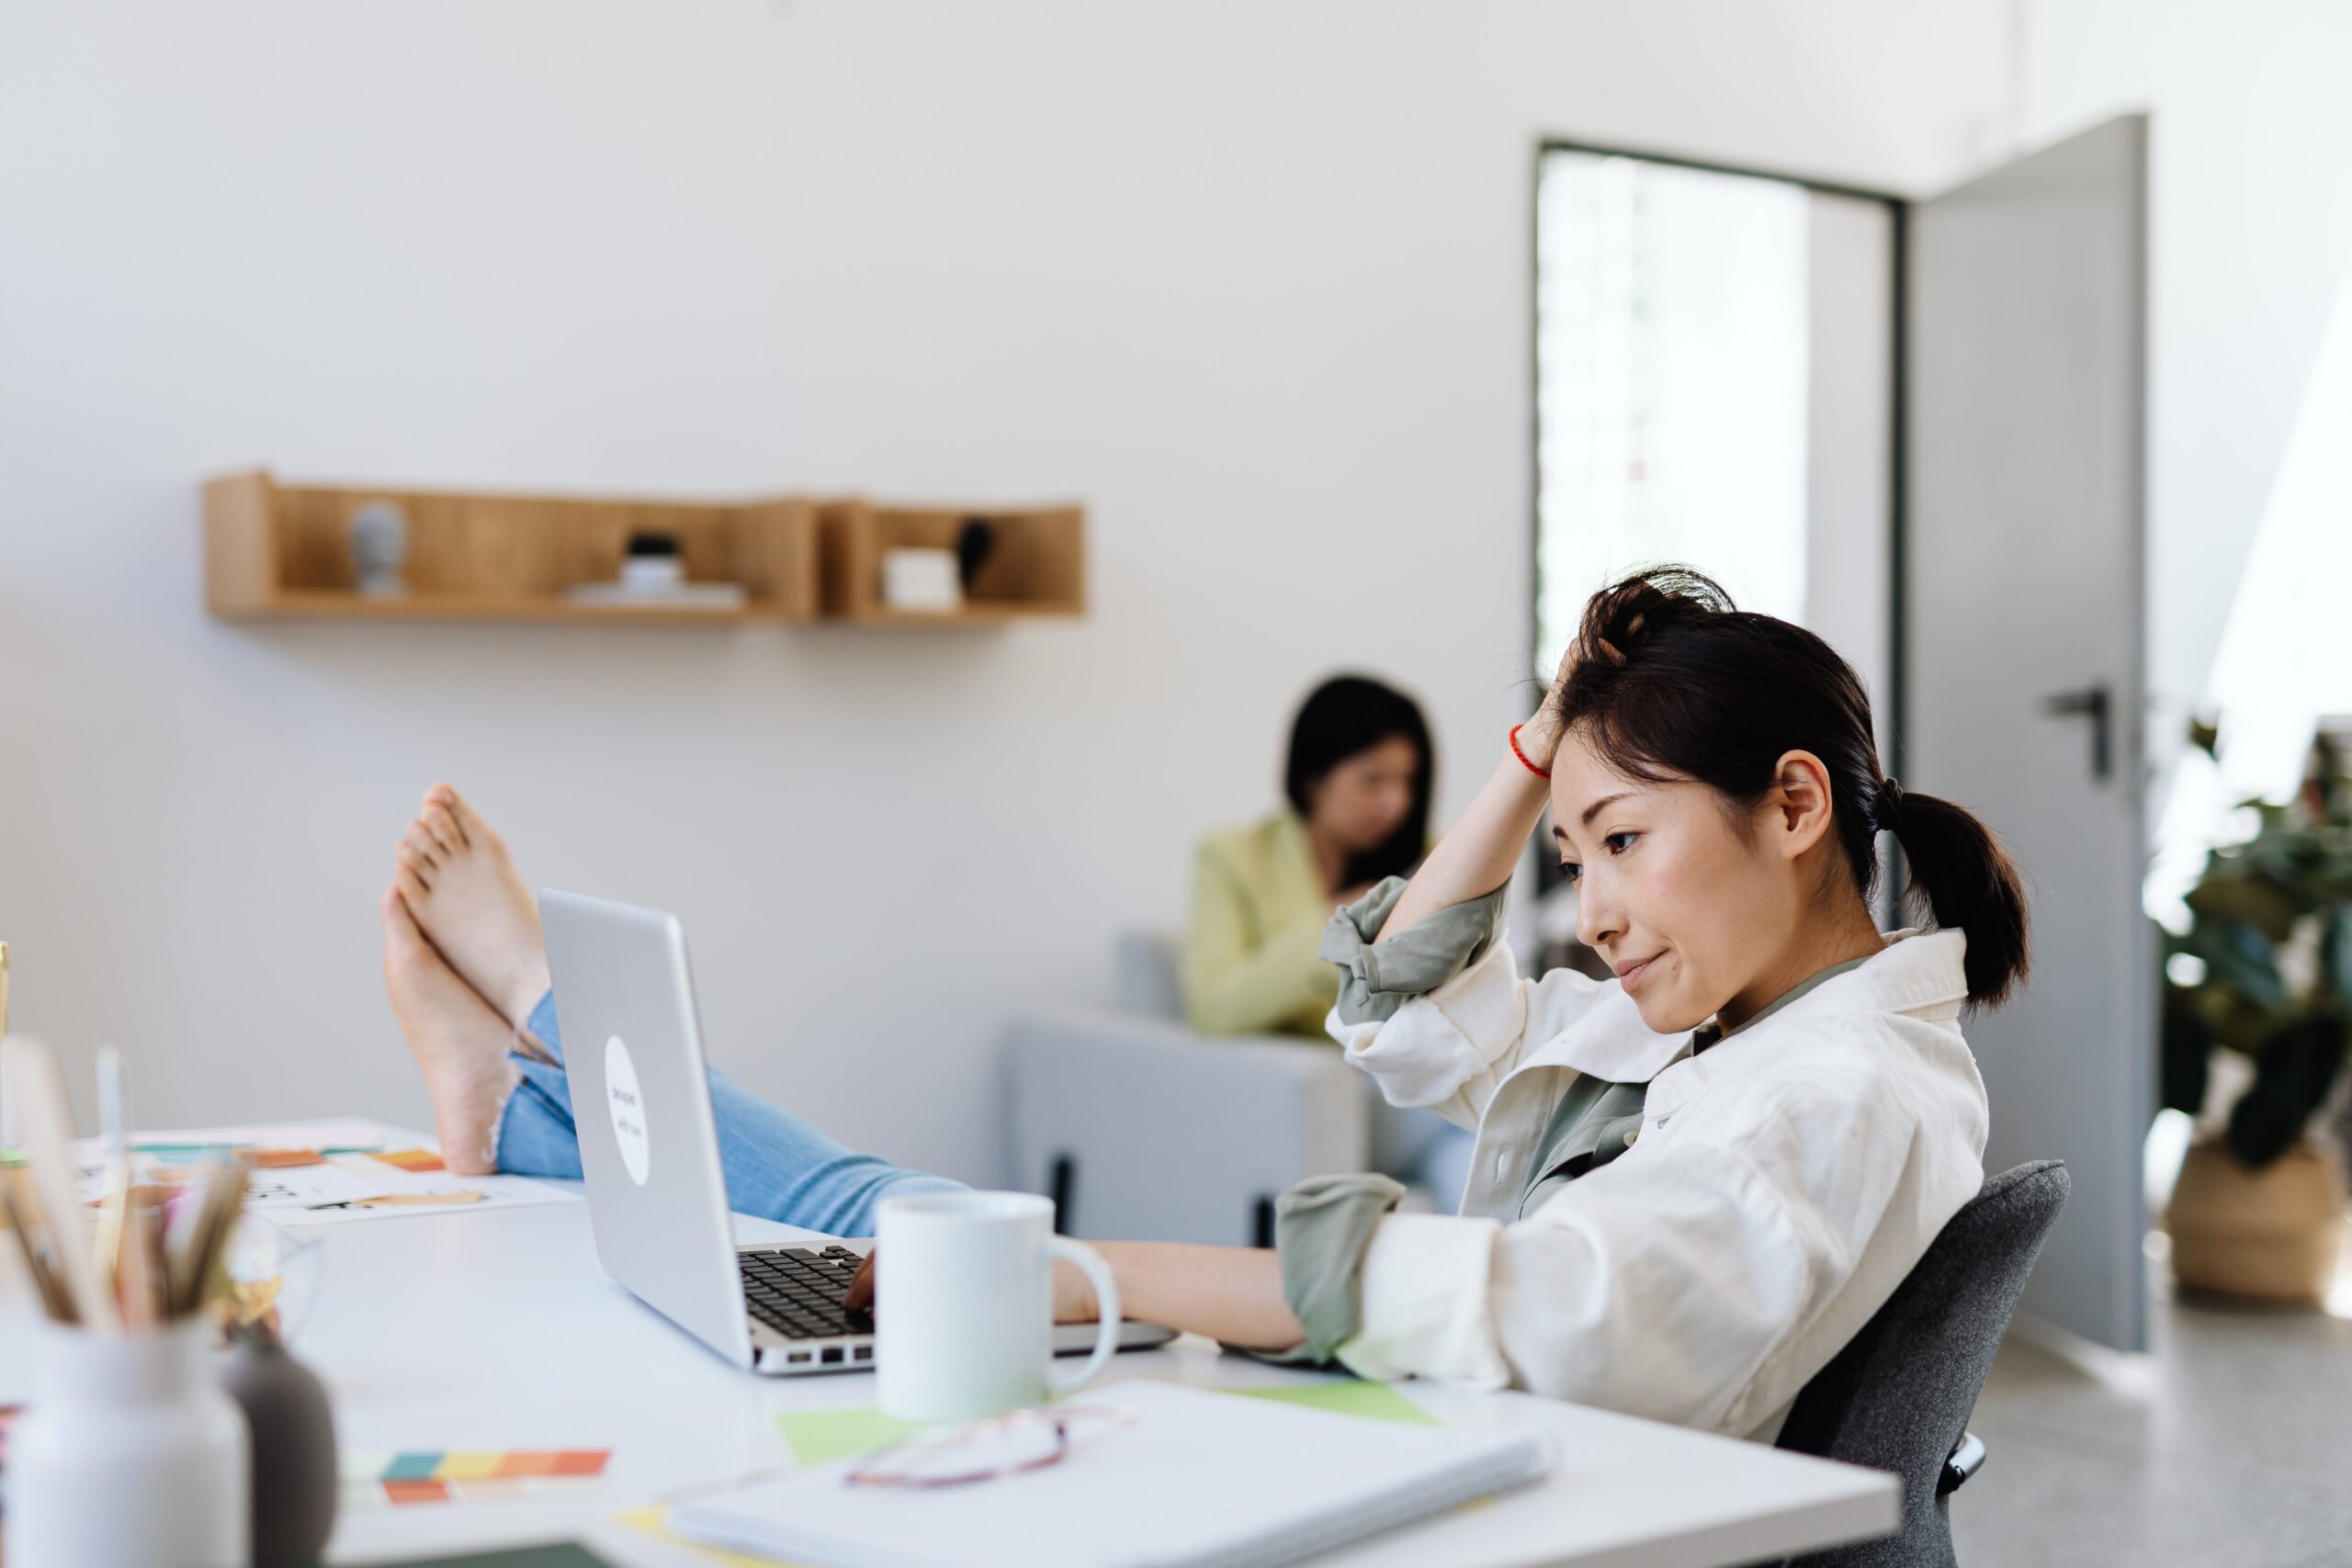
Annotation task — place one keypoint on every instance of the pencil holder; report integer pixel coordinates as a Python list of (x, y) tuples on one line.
[(130, 1456)]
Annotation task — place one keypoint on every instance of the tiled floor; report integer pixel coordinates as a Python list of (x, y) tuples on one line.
[(2229, 1447)]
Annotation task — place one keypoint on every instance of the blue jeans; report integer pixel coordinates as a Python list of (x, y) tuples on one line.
[(778, 1166)]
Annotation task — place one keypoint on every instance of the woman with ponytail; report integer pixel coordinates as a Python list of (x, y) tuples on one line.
[(1695, 1182), (1691, 1182)]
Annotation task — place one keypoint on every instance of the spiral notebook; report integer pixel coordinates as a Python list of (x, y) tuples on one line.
[(1198, 1480)]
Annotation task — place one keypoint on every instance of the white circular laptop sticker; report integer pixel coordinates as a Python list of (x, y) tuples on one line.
[(627, 1107)]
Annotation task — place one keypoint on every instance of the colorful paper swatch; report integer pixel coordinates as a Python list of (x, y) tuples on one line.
[(280, 1159), (415, 1161), (469, 1475)]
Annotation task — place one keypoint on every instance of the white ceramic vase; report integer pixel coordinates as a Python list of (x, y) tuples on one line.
[(130, 1456)]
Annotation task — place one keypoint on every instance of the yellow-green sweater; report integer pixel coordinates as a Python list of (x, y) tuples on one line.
[(1259, 909)]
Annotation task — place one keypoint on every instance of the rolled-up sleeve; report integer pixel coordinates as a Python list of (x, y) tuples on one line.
[(1378, 974), (1321, 1228), (1657, 1285), (1436, 1014)]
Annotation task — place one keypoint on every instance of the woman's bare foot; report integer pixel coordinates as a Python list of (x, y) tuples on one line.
[(459, 1043), (461, 885)]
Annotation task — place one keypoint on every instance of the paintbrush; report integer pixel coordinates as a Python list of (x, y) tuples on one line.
[(136, 1280), (7, 1105), (114, 1122), (194, 1279), (39, 1091), (109, 1245), (16, 1198)]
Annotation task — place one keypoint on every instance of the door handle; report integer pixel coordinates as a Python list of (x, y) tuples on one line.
[(2091, 703)]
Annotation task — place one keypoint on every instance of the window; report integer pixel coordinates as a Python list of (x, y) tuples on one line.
[(1714, 386)]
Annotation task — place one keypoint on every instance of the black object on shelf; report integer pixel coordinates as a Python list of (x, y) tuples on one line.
[(975, 542)]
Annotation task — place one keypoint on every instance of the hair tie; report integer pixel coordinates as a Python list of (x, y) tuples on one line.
[(1888, 817)]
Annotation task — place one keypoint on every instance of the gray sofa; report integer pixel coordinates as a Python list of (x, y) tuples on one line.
[(1143, 1130)]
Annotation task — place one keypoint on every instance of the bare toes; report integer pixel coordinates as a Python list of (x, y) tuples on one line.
[(470, 821), (444, 829), (412, 886), (418, 839)]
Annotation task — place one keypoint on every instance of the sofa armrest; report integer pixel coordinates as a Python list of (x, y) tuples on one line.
[(1145, 1131)]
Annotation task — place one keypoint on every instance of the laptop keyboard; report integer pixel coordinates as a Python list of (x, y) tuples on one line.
[(797, 1292)]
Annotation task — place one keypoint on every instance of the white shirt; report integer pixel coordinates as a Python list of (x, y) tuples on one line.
[(1782, 1184)]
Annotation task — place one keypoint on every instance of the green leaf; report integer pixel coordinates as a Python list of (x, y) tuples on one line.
[(2259, 900), (2336, 956), (2291, 1077)]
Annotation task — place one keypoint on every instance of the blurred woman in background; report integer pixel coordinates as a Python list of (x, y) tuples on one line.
[(1358, 786)]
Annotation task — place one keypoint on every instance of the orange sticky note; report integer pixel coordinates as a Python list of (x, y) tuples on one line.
[(279, 1159), (526, 1463), (405, 1491), (580, 1462), (414, 1161)]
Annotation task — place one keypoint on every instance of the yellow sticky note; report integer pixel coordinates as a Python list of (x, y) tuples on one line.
[(477, 1464)]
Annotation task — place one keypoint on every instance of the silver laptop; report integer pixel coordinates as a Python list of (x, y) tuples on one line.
[(640, 1097)]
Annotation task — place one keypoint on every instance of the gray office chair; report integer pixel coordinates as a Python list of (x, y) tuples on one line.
[(1898, 1396)]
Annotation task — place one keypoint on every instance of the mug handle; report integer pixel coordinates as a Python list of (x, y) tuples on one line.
[(1106, 1297)]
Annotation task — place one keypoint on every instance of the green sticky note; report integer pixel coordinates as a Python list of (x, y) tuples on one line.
[(1374, 1401), (816, 1436), (559, 1556)]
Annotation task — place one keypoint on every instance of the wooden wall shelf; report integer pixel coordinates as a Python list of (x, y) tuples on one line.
[(274, 551), (1037, 569)]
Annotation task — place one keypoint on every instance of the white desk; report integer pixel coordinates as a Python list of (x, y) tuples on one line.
[(498, 1330)]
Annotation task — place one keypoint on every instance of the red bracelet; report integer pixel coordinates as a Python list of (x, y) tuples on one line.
[(1531, 767)]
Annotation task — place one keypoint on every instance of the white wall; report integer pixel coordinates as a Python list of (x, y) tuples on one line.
[(1251, 279), (2250, 243)]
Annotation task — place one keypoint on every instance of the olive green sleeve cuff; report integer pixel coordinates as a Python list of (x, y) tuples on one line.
[(1321, 1228), (1378, 974)]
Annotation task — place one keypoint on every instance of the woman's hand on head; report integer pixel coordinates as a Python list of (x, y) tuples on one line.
[(1539, 737)]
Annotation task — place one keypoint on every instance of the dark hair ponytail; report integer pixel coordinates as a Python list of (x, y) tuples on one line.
[(1967, 881), (1672, 681)]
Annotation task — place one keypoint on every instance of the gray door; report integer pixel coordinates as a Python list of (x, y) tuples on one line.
[(2022, 646)]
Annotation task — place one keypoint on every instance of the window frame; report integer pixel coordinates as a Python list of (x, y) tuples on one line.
[(1899, 209)]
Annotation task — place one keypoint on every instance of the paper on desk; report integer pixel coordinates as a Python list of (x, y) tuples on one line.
[(819, 1437), (655, 1522), (335, 1133), (289, 1196), (286, 1194)]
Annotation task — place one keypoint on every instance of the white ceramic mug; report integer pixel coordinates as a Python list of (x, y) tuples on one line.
[(964, 1305)]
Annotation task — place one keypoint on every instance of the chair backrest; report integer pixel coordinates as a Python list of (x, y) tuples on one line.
[(1898, 1396)]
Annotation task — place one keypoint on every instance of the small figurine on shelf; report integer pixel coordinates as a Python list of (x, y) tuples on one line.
[(653, 564), (379, 550), (653, 573)]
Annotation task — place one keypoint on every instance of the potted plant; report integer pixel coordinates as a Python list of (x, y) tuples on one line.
[(2264, 970)]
